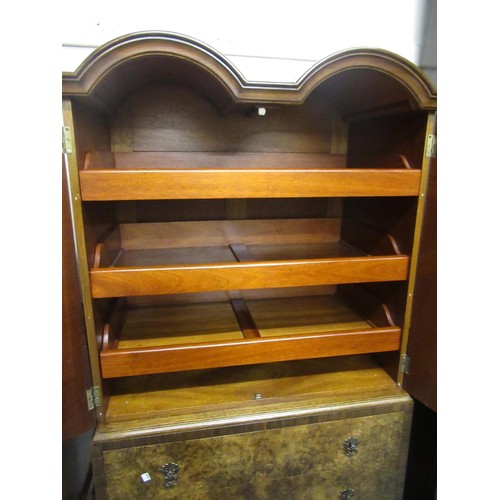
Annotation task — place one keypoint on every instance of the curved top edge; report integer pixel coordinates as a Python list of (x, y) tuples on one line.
[(375, 53), (145, 35), (108, 56), (122, 47)]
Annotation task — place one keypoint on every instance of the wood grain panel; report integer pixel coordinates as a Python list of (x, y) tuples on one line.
[(147, 360), (217, 184), (175, 118), (212, 160), (217, 233), (178, 324), (178, 397), (305, 315), (293, 462), (116, 282)]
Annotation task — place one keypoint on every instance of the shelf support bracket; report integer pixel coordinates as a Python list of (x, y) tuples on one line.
[(405, 364)]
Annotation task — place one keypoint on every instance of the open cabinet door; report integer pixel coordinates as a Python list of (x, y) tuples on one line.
[(421, 377), (78, 421), (77, 418)]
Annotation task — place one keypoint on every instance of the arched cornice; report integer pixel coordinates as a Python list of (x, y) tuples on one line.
[(379, 60), (212, 67), (107, 58)]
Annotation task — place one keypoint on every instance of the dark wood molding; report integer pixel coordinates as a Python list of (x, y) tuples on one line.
[(219, 78)]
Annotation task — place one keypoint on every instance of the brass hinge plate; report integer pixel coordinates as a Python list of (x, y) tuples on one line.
[(67, 143), (93, 397), (405, 364), (431, 146)]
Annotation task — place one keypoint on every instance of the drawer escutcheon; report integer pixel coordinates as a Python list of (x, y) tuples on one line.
[(351, 446), (170, 471), (347, 494)]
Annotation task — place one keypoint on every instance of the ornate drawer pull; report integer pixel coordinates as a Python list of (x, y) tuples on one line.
[(351, 446), (170, 471), (347, 494)]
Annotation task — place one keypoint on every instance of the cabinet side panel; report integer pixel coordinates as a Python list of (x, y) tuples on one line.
[(370, 142), (377, 138), (90, 131)]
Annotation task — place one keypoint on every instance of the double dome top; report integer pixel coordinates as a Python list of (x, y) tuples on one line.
[(357, 80)]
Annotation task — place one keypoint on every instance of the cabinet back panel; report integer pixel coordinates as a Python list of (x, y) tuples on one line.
[(191, 210), (175, 118)]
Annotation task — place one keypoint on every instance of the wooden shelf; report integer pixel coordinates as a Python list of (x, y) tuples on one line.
[(189, 257), (147, 340), (155, 176), (221, 392), (174, 397)]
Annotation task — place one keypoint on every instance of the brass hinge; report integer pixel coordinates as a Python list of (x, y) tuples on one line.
[(67, 143), (405, 364), (93, 397), (431, 146)]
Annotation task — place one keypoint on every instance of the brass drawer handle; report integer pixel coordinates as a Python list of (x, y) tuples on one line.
[(351, 446), (170, 471)]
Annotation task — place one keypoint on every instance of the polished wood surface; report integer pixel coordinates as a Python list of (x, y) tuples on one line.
[(212, 160), (142, 266), (207, 184), (276, 404), (239, 332), (125, 64), (157, 403), (226, 232), (296, 461), (143, 361), (190, 278)]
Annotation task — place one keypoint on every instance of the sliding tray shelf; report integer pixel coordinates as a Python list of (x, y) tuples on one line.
[(189, 257), (189, 336), (156, 176)]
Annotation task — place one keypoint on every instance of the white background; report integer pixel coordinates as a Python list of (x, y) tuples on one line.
[(266, 40)]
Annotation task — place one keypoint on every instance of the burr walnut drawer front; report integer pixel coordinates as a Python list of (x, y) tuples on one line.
[(349, 458)]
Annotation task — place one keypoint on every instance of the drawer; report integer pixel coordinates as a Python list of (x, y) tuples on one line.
[(310, 461)]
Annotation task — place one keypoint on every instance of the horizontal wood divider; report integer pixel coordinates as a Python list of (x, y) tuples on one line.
[(113, 184), (149, 360), (244, 318), (132, 281)]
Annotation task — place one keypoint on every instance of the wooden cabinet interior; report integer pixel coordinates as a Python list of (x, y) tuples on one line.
[(211, 236)]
